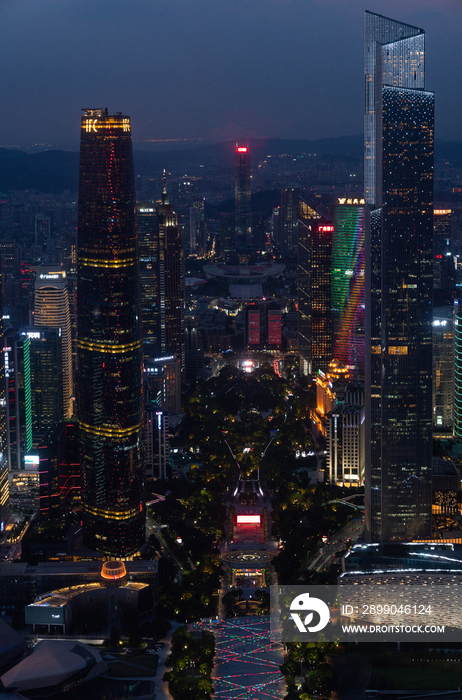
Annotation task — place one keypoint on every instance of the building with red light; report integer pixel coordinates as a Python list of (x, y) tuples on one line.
[(243, 215), (314, 289), (110, 359), (253, 325), (274, 327), (171, 280), (59, 471)]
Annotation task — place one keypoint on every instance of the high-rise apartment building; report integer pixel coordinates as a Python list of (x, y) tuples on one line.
[(314, 284), (171, 280), (242, 196), (399, 139), (148, 240), (347, 288), (109, 396), (52, 311)]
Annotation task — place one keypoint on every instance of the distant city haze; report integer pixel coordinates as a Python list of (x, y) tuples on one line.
[(206, 69)]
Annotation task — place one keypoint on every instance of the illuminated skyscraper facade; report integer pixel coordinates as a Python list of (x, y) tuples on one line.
[(148, 238), (457, 370), (109, 339), (52, 311), (314, 283), (242, 196), (171, 280), (399, 124), (443, 368), (16, 355), (347, 290), (443, 260)]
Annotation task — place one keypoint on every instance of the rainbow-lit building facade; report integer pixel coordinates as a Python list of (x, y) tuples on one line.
[(109, 343), (347, 288)]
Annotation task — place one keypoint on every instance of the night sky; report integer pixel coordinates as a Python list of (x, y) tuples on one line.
[(209, 69)]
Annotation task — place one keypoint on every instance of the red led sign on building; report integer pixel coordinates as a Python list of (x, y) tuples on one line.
[(249, 519), (242, 149), (326, 229)]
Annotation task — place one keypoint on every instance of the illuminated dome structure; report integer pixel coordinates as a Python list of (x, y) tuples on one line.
[(113, 570)]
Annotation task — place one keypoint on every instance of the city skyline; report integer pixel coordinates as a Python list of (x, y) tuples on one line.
[(226, 80)]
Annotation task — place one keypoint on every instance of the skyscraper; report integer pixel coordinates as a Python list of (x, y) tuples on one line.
[(109, 338), (443, 368), (399, 189), (148, 237), (242, 196), (347, 289), (52, 311), (457, 370), (286, 233), (16, 354), (314, 281), (171, 280)]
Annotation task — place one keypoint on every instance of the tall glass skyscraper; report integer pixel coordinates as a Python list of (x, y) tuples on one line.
[(148, 238), (171, 280), (399, 124), (109, 338), (314, 263), (52, 311)]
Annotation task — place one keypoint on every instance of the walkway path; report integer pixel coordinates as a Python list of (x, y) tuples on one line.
[(246, 660)]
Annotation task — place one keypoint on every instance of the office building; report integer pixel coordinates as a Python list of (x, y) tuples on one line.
[(399, 144), (109, 396), (286, 222), (443, 368), (157, 442), (46, 379), (148, 240), (457, 429), (242, 196), (198, 229), (171, 280), (345, 451), (19, 436), (227, 237), (52, 311), (162, 382), (314, 285), (443, 254), (194, 349), (347, 290)]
